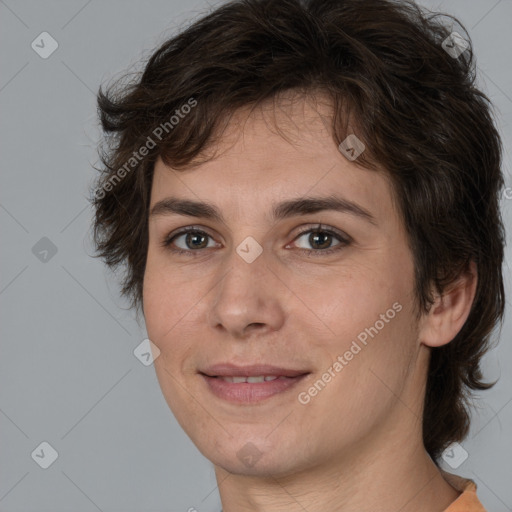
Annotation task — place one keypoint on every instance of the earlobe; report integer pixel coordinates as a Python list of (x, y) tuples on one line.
[(450, 310)]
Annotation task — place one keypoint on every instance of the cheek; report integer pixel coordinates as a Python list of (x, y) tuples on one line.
[(166, 301), (175, 310), (351, 300), (371, 335), (364, 379), (168, 309)]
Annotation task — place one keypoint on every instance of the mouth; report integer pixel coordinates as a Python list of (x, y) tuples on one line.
[(250, 384), (251, 380)]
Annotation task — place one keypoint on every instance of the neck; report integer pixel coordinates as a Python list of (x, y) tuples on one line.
[(417, 486), (384, 471)]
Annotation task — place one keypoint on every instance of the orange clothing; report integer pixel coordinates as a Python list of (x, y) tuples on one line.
[(468, 500)]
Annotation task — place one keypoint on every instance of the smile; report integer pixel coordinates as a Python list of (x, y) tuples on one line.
[(251, 380), (244, 390)]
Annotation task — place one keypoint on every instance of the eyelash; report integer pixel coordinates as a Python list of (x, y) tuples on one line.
[(343, 239)]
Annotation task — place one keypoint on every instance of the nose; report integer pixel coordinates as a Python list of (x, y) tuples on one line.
[(248, 299)]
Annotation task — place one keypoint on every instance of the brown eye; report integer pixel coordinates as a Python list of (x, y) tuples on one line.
[(188, 240), (321, 241), (196, 240)]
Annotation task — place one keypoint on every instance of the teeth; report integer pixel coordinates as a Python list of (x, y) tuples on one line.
[(254, 380), (250, 380)]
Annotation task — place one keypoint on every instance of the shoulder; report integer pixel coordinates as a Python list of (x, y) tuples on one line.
[(468, 500)]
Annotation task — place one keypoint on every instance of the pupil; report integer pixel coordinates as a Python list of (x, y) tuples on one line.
[(193, 237), (320, 240), (316, 239)]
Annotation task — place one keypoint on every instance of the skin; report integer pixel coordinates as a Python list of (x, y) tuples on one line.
[(357, 444)]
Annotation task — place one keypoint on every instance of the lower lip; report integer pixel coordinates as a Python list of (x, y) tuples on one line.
[(245, 392)]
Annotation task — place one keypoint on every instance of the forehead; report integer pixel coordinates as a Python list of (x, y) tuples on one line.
[(276, 151)]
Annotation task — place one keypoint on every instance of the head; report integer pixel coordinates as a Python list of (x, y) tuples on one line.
[(251, 107)]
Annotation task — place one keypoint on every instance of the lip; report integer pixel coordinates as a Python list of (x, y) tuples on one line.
[(231, 370), (245, 392)]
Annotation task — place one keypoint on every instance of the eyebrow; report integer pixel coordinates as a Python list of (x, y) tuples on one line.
[(284, 210)]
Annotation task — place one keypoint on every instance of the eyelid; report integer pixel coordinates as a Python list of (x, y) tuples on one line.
[(325, 229), (343, 238), (183, 231)]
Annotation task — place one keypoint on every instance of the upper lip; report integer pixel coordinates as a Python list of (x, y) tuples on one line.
[(231, 370)]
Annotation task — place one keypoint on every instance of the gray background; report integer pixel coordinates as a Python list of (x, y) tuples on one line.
[(68, 375)]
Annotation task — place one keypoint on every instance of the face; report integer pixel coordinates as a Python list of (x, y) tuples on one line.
[(303, 276)]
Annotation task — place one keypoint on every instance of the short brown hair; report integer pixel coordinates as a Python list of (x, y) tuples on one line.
[(413, 104)]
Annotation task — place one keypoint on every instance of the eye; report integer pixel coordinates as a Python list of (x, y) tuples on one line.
[(322, 240), (188, 240)]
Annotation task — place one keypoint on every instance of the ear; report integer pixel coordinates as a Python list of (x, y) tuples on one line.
[(450, 310)]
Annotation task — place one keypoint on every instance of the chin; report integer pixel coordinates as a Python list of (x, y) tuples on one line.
[(252, 458), (271, 466)]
